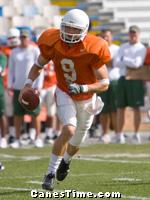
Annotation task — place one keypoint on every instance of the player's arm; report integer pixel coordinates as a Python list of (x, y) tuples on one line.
[(103, 81), (33, 74), (36, 70), (99, 86)]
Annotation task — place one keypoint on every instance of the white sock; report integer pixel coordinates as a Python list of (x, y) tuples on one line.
[(32, 133), (121, 134), (12, 131), (49, 132), (67, 157), (54, 163)]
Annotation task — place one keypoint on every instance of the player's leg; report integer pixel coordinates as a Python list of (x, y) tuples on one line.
[(36, 125), (113, 105), (113, 116), (85, 120), (51, 114), (3, 121), (120, 125), (137, 122), (3, 125), (105, 118), (38, 142), (105, 124), (9, 115), (18, 119), (67, 114), (121, 105), (136, 99)]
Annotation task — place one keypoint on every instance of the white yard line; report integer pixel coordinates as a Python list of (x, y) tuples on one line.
[(118, 155), (102, 155), (112, 161), (135, 197), (95, 158), (127, 179)]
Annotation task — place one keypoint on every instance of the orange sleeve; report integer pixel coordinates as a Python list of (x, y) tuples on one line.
[(46, 42), (102, 57), (46, 51), (99, 50)]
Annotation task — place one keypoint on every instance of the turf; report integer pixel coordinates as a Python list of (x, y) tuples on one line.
[(96, 168)]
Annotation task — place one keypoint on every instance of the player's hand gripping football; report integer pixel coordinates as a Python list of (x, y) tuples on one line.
[(75, 88), (24, 90), (29, 98)]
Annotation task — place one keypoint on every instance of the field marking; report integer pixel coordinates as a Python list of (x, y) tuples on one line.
[(95, 158), (14, 188), (118, 155), (7, 157), (35, 182), (20, 177), (74, 175), (135, 197), (127, 179), (89, 158), (39, 189)]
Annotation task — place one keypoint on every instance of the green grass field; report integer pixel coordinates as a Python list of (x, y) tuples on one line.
[(97, 168)]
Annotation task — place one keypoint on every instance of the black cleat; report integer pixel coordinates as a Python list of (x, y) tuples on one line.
[(48, 182), (62, 171)]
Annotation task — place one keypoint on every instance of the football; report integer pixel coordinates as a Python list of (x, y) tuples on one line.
[(30, 100)]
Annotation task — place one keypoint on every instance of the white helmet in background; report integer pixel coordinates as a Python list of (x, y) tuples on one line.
[(78, 20), (13, 37)]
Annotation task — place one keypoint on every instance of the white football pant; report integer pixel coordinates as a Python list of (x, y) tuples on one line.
[(74, 113)]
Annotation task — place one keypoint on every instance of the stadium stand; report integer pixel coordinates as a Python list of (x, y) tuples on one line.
[(132, 12), (118, 15), (37, 14)]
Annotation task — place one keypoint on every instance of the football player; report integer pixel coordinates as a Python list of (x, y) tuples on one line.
[(109, 113), (130, 93), (79, 59), (13, 40)]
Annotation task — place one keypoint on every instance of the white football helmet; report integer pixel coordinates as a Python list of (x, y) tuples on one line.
[(78, 20), (13, 39)]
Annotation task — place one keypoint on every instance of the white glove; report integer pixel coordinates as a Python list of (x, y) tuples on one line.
[(75, 88)]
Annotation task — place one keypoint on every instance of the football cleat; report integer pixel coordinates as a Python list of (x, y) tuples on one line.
[(63, 170), (49, 182)]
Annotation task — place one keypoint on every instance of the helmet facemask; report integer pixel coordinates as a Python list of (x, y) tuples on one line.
[(74, 26), (13, 37), (71, 33), (13, 41)]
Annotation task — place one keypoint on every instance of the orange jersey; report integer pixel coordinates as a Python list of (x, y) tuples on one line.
[(49, 76), (74, 64)]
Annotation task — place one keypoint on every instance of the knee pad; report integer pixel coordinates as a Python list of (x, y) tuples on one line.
[(78, 138)]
